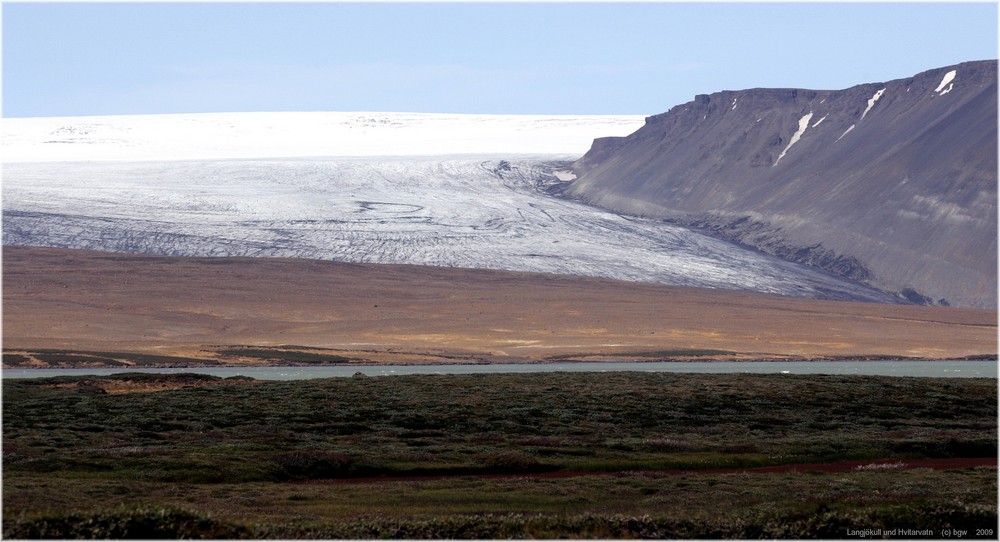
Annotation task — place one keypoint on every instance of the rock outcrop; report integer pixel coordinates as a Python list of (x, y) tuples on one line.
[(891, 184)]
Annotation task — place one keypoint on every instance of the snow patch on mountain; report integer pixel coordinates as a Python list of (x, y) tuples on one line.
[(803, 124), (871, 102), (849, 128), (946, 80)]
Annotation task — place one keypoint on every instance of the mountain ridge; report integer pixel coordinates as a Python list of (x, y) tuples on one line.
[(892, 184)]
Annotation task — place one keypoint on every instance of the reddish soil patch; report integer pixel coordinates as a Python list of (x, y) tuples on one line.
[(846, 466), (835, 466)]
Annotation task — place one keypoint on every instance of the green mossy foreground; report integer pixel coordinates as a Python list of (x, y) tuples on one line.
[(405, 456)]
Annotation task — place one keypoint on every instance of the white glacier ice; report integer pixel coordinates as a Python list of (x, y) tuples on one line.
[(471, 208), (287, 135)]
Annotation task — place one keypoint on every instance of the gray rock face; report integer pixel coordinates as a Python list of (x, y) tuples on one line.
[(891, 184)]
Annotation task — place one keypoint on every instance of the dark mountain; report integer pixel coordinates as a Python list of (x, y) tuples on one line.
[(892, 184)]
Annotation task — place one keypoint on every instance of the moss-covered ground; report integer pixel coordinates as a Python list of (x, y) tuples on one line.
[(419, 456)]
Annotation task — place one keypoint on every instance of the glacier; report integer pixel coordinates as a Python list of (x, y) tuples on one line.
[(426, 196)]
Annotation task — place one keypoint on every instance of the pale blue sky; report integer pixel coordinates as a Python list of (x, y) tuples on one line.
[(532, 58)]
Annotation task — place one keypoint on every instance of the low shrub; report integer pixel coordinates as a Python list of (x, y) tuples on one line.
[(509, 462), (126, 523), (664, 444), (77, 359), (291, 356), (819, 523), (319, 465), (15, 360), (947, 448)]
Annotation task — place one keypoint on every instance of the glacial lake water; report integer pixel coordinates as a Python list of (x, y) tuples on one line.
[(948, 369)]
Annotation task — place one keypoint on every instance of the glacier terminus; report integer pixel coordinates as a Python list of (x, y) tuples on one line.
[(471, 191)]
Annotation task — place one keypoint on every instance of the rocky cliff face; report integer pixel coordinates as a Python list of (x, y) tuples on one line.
[(892, 184)]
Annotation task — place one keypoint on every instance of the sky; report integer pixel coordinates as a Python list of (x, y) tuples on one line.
[(72, 59)]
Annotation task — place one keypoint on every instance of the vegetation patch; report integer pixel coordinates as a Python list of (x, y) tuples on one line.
[(141, 523), (655, 354), (815, 522), (394, 456), (86, 358), (15, 360), (57, 359), (144, 382), (287, 356), (155, 360)]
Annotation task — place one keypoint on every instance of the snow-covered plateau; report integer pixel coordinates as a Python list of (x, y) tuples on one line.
[(286, 135), (444, 190)]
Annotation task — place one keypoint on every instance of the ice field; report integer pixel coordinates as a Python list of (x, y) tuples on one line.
[(471, 209)]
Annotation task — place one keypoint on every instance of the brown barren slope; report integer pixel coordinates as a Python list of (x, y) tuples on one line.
[(80, 300)]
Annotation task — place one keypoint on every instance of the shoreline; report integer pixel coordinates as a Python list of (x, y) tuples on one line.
[(468, 362)]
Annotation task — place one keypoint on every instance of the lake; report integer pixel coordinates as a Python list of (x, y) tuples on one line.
[(951, 369)]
